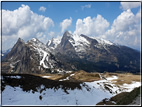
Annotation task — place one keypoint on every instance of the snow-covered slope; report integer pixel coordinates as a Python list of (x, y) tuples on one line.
[(103, 41), (90, 93), (52, 97), (82, 43), (79, 43), (53, 42)]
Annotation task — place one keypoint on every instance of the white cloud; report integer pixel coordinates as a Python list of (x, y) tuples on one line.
[(129, 5), (65, 24), (86, 6), (124, 21), (125, 30), (51, 34), (91, 26), (42, 8), (23, 23), (42, 37)]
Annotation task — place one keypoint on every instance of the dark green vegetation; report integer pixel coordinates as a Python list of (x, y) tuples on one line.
[(123, 98), (31, 82)]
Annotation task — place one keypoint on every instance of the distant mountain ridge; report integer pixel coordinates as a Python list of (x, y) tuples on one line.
[(72, 52), (4, 53)]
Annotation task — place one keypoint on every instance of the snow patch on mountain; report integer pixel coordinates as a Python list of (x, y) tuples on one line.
[(49, 42), (34, 39), (45, 55), (53, 43), (103, 41), (38, 45), (79, 43), (43, 52)]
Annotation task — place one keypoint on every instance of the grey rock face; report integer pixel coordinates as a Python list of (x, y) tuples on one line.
[(93, 54), (72, 52), (30, 57)]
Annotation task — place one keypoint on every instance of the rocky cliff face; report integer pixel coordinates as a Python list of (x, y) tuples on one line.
[(30, 57), (70, 53)]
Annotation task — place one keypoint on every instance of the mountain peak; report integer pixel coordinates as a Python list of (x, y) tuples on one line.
[(33, 40), (67, 33), (20, 40)]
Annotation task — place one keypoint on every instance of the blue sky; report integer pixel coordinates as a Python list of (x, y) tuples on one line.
[(59, 11), (103, 13)]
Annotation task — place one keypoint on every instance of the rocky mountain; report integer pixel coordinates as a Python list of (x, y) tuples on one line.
[(70, 53), (95, 54), (31, 57)]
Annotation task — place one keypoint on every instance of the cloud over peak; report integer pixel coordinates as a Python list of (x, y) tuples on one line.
[(125, 30), (24, 23), (92, 26), (65, 24)]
